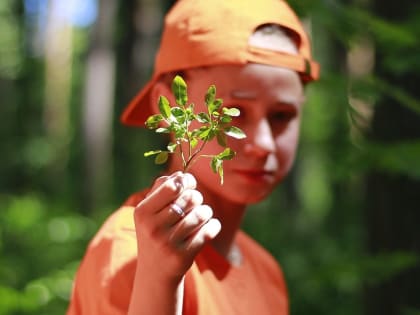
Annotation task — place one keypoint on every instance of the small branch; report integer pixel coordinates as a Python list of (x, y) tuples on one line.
[(184, 163), (194, 155)]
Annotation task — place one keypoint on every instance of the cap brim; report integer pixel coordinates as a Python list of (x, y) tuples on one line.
[(139, 108)]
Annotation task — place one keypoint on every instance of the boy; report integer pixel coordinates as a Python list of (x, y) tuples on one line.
[(177, 247)]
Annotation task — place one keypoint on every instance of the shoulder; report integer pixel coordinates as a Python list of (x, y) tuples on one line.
[(119, 226), (115, 242), (104, 278), (257, 256), (250, 246)]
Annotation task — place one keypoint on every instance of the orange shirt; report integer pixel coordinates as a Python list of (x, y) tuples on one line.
[(104, 279)]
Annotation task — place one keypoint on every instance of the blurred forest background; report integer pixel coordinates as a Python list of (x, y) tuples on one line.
[(345, 225)]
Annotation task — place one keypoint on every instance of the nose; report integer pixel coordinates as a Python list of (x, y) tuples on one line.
[(261, 140)]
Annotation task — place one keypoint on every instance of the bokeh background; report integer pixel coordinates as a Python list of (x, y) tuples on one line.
[(345, 225)]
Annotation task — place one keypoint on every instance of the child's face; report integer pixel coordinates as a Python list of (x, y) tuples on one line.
[(270, 100)]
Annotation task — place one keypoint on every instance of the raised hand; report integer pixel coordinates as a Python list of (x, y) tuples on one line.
[(172, 225)]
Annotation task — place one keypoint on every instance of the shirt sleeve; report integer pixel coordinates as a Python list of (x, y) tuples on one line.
[(104, 280)]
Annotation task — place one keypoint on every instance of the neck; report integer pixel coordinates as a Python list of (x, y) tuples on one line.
[(230, 215)]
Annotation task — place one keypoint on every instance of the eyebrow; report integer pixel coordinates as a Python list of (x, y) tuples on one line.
[(250, 95), (241, 94)]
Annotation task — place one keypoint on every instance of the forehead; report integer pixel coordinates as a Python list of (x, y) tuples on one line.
[(251, 81)]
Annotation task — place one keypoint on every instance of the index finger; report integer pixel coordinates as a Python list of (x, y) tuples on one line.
[(166, 192)]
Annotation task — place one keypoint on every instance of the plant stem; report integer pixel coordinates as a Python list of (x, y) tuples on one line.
[(184, 163), (194, 155)]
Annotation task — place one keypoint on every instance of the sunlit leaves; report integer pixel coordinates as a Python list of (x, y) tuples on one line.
[(203, 118), (216, 162), (234, 132), (179, 89), (153, 121), (164, 107), (176, 120), (210, 95), (233, 112), (162, 157), (214, 106), (227, 154), (172, 147)]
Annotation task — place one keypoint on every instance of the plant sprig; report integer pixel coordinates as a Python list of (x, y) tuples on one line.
[(176, 120)]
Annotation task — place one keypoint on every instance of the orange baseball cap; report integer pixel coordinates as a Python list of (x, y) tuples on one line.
[(200, 33)]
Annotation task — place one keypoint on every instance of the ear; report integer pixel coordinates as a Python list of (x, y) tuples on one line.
[(160, 88)]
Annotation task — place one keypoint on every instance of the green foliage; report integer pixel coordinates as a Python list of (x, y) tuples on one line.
[(372, 89), (314, 223), (400, 158), (51, 240), (10, 53), (176, 120)]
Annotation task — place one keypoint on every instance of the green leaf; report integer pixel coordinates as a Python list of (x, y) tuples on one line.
[(210, 95), (179, 114), (215, 105), (225, 119), (221, 138), (172, 147), (234, 132), (153, 121), (227, 154), (149, 153), (203, 133), (232, 112), (193, 143), (215, 164), (164, 107), (179, 131), (189, 114), (163, 130), (179, 89), (162, 157), (212, 134), (203, 118)]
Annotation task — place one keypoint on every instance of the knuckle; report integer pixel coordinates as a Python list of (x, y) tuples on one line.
[(161, 179), (190, 197), (197, 197), (172, 186), (203, 213), (158, 182), (154, 232)]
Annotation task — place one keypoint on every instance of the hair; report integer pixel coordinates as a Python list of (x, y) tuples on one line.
[(275, 37)]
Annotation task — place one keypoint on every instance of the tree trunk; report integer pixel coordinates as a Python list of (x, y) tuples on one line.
[(99, 105)]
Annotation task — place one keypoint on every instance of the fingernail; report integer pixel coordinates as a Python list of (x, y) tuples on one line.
[(179, 184)]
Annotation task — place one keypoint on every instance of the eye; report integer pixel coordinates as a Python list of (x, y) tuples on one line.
[(282, 116)]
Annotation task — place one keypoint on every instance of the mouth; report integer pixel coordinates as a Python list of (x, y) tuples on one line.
[(255, 175)]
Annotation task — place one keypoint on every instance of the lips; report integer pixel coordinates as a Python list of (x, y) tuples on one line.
[(256, 175)]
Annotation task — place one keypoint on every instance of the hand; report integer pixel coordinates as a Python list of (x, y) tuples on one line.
[(168, 241)]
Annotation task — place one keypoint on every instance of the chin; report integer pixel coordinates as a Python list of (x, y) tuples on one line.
[(251, 195)]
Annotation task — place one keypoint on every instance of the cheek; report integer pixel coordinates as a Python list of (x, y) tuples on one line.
[(287, 142)]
